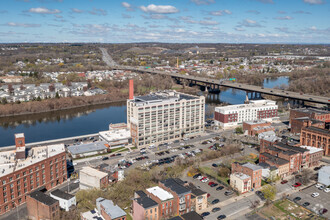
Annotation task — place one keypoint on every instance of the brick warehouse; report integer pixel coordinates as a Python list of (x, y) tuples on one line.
[(24, 170), (316, 137)]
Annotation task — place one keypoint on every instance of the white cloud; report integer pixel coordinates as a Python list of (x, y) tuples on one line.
[(248, 23), (159, 9), (266, 1), (284, 18), (76, 10), (204, 22), (26, 25), (203, 2), (128, 6), (44, 11), (98, 11), (220, 12), (314, 2), (239, 29), (253, 12)]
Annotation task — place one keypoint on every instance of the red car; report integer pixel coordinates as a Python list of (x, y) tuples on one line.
[(296, 184), (284, 182), (208, 195), (203, 178), (210, 183)]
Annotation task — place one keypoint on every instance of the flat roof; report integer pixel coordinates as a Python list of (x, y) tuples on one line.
[(162, 194), (61, 194), (91, 215), (43, 198), (114, 211), (252, 166), (252, 104), (93, 172), (276, 160), (255, 122), (146, 202), (311, 149), (115, 134), (9, 164), (325, 169), (311, 110), (290, 148), (241, 176), (19, 135), (86, 148), (325, 131), (192, 216), (175, 186)]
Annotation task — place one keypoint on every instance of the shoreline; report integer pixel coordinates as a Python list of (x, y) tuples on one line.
[(62, 109)]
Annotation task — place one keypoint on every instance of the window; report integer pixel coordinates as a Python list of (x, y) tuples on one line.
[(43, 166), (3, 182), (10, 179), (43, 171), (18, 182), (30, 170), (50, 162), (24, 173), (4, 188), (11, 185), (4, 194), (17, 176), (37, 168)]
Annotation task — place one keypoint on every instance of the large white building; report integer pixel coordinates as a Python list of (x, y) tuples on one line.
[(163, 116), (233, 115)]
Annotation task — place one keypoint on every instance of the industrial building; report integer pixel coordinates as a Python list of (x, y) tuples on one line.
[(163, 116), (83, 150), (233, 115), (24, 170), (92, 178), (324, 175)]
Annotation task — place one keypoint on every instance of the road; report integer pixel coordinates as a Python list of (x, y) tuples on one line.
[(107, 58)]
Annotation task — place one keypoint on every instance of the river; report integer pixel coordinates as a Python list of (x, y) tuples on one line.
[(88, 120)]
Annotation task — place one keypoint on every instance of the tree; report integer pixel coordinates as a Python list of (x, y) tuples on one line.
[(239, 130), (224, 172), (269, 192), (4, 101), (306, 175), (57, 95)]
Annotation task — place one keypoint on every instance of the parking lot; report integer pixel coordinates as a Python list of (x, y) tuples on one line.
[(317, 203)]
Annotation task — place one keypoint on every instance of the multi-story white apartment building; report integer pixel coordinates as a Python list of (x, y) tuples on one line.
[(163, 116), (233, 115)]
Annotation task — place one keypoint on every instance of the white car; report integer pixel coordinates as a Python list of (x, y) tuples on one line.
[(315, 195), (181, 144), (318, 185), (205, 180), (200, 177), (327, 190), (185, 139)]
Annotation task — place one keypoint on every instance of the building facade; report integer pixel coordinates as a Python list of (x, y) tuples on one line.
[(321, 115), (25, 170), (164, 199), (252, 170), (42, 206), (92, 178), (144, 207), (256, 127), (233, 115), (316, 137), (241, 182), (66, 200), (164, 116), (324, 175)]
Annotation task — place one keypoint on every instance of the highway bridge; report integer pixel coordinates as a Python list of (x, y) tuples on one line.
[(215, 85)]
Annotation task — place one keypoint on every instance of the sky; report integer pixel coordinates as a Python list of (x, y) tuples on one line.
[(172, 21)]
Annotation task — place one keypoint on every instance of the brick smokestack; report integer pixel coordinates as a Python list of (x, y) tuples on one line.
[(20, 146), (131, 89)]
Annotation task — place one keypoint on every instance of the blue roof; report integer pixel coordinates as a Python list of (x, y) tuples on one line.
[(110, 208)]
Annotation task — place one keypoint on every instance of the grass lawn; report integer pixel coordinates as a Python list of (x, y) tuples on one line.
[(286, 209)]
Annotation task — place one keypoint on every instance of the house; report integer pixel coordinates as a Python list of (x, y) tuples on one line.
[(241, 182), (164, 199), (92, 178), (198, 198), (252, 170), (42, 206), (66, 200), (109, 210), (144, 207), (181, 194)]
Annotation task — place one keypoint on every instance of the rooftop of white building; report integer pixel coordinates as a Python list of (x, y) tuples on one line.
[(9, 164), (252, 104), (93, 172), (311, 149), (241, 176), (255, 122), (162, 194), (115, 134)]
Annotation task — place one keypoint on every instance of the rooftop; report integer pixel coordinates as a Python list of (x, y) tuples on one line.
[(141, 193), (175, 186), (325, 169), (269, 136), (255, 122), (252, 166), (85, 148), (162, 194), (167, 95), (19, 135), (112, 210), (146, 202), (311, 110), (191, 216), (9, 164), (43, 198), (315, 129), (115, 134), (252, 104), (290, 148), (91, 215), (241, 176), (312, 150), (275, 160), (62, 195), (93, 172)]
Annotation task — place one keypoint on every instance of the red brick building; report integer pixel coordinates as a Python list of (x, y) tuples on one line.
[(316, 137), (42, 206), (298, 123), (164, 199), (25, 170), (300, 118), (181, 194), (252, 170), (257, 127)]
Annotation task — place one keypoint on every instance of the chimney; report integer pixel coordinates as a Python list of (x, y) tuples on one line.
[(20, 146), (131, 89)]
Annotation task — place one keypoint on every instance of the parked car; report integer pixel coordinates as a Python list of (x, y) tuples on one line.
[(200, 177), (326, 190), (315, 194), (306, 204), (322, 211), (219, 188), (205, 214), (216, 209), (215, 201), (321, 187), (196, 176), (318, 185), (228, 193), (214, 165), (214, 185), (297, 184), (221, 217), (210, 183), (260, 195), (208, 195), (284, 181), (297, 199), (105, 158)]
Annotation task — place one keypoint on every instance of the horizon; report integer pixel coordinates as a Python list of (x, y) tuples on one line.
[(183, 21)]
